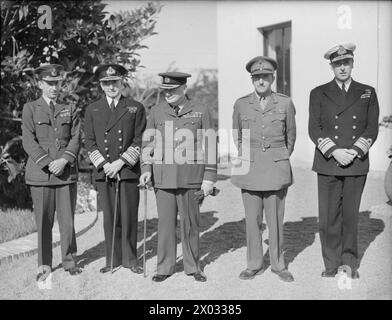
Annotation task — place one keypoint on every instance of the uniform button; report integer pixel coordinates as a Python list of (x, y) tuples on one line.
[(263, 137), (106, 148), (336, 117), (55, 129), (106, 133), (354, 127), (263, 115), (263, 126), (119, 131), (336, 127), (176, 128), (354, 137), (120, 147), (105, 141), (108, 155), (336, 137), (119, 139), (354, 117), (263, 149)]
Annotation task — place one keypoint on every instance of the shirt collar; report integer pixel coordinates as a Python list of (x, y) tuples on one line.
[(346, 83), (116, 100), (47, 100)]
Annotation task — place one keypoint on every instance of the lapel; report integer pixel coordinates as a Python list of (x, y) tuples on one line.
[(44, 106), (167, 109), (58, 108), (254, 102), (118, 112), (270, 104), (186, 108), (353, 94), (333, 92)]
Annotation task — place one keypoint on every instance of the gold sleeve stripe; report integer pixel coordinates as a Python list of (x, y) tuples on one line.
[(132, 155), (325, 144), (363, 144), (96, 158)]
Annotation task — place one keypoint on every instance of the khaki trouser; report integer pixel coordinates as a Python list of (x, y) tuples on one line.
[(273, 203)]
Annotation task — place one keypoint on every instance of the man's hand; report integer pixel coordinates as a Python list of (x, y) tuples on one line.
[(343, 156), (353, 152), (207, 187), (111, 169), (57, 166), (145, 179)]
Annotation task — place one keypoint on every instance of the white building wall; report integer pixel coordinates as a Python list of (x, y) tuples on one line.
[(315, 29)]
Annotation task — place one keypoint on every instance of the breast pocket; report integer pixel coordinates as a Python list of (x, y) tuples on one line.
[(247, 121), (42, 125), (65, 127), (278, 122)]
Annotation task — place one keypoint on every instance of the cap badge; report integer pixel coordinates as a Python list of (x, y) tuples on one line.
[(341, 51), (54, 73), (167, 80), (110, 71)]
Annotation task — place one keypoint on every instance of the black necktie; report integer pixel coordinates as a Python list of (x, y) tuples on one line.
[(176, 109), (112, 106), (344, 93), (51, 108)]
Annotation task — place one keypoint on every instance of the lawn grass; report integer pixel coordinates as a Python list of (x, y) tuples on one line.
[(16, 223)]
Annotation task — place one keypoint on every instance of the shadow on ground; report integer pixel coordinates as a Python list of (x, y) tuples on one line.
[(232, 235)]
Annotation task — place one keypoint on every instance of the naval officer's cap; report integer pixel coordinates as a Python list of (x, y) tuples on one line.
[(340, 52), (110, 72), (50, 72), (171, 80), (261, 65)]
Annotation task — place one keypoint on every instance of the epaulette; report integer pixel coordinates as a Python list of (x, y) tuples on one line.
[(245, 96), (282, 95)]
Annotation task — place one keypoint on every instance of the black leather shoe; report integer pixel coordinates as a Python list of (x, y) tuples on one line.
[(160, 277), (136, 269), (284, 275), (74, 271), (355, 274), (248, 274), (106, 269), (200, 276), (329, 273), (41, 276)]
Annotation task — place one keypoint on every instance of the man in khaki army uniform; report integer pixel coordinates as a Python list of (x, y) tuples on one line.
[(179, 168), (51, 138), (343, 124), (265, 123), (114, 128)]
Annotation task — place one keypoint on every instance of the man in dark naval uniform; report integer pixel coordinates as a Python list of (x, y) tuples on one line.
[(114, 127), (343, 124), (265, 123), (51, 138), (179, 168)]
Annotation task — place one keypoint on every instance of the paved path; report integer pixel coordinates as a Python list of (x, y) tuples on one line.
[(223, 255), (27, 246)]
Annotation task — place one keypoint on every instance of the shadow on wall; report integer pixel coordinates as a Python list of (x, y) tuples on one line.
[(232, 236)]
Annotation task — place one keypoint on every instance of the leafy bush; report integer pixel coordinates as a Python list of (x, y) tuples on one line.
[(83, 36)]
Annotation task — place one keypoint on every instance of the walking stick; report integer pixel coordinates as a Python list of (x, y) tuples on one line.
[(114, 222), (144, 232)]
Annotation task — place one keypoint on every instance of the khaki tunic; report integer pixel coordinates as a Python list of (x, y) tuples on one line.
[(271, 140)]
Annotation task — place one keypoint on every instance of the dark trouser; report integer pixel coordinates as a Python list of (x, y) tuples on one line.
[(169, 202), (339, 199), (125, 241), (273, 202), (47, 200)]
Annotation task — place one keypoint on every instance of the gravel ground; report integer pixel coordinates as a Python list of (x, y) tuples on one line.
[(223, 252)]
